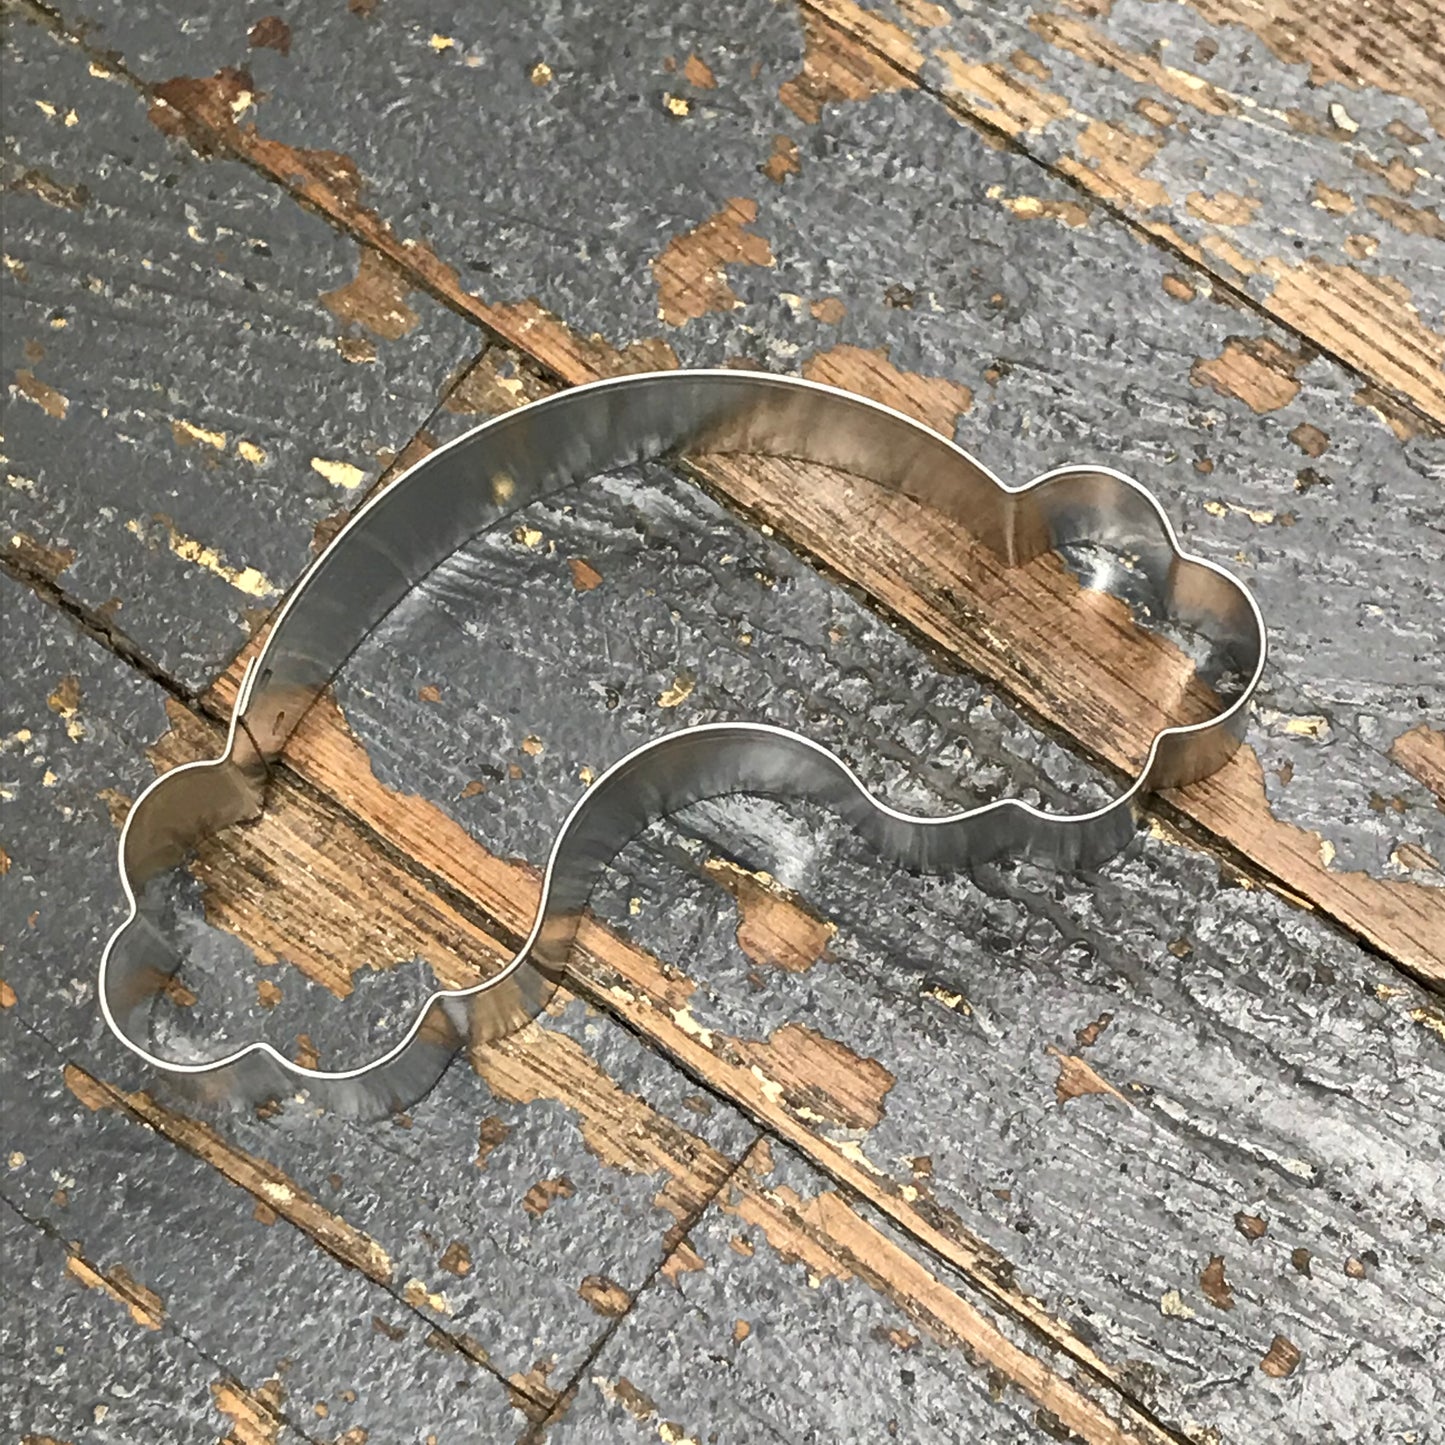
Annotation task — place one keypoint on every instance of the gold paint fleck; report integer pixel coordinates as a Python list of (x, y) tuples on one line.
[(338, 473), (188, 549), (677, 104), (442, 42), (541, 73), (1171, 1303), (188, 434), (679, 691)]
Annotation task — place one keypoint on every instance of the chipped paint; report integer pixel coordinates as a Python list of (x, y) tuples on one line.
[(934, 400), (678, 691), (691, 272), (52, 402), (339, 473), (188, 434), (244, 579)]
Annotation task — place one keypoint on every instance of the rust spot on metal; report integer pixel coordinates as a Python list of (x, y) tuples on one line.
[(1282, 1358), (934, 400), (270, 32), (775, 928), (375, 299), (45, 396), (691, 272), (1254, 370)]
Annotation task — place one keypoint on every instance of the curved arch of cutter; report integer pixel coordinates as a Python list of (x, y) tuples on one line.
[(479, 480)]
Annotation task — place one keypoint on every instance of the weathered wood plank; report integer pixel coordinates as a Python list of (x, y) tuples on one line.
[(510, 1229), (1193, 1045), (476, 1248), (81, 1362), (791, 1312), (1271, 459), (1293, 151), (169, 328), (289, 1340)]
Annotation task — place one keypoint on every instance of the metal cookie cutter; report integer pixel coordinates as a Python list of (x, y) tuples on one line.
[(473, 483)]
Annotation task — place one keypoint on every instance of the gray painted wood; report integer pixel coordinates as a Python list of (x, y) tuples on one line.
[(1259, 1062), (1066, 335), (173, 375), (1274, 1070)]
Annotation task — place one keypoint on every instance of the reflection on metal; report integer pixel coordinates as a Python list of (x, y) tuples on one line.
[(471, 485)]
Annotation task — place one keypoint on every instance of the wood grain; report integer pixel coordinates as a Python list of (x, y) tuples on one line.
[(1179, 167)]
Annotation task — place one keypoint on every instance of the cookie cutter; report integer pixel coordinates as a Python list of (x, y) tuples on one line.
[(478, 480)]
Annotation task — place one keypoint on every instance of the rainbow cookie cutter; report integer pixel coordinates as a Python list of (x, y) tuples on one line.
[(475, 483)]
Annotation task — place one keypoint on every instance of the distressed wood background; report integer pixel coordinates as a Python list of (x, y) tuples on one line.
[(808, 1152)]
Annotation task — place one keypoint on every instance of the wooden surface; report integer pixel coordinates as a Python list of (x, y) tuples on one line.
[(807, 1152)]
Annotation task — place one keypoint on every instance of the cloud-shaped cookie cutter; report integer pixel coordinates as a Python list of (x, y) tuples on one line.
[(477, 481)]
